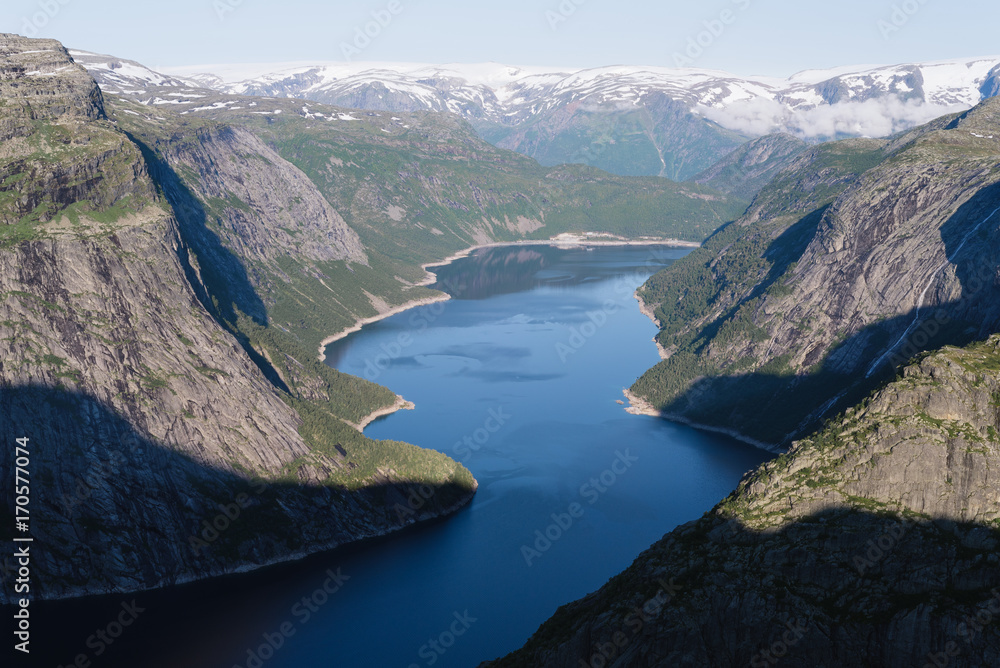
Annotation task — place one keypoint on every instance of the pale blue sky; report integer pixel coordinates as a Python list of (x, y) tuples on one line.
[(774, 37)]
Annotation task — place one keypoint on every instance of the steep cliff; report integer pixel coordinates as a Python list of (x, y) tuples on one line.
[(414, 187), (856, 257), (872, 542), (745, 171), (164, 445)]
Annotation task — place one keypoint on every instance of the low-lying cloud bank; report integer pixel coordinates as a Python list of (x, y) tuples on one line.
[(876, 117)]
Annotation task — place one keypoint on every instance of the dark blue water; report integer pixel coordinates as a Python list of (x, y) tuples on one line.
[(519, 378)]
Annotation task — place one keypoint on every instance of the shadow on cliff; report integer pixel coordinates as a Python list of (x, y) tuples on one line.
[(220, 281), (776, 406), (785, 250), (111, 506), (836, 588)]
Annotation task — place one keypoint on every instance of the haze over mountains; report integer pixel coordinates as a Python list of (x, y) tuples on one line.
[(628, 120)]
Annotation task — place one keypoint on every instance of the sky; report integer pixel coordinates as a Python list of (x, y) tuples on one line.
[(746, 37)]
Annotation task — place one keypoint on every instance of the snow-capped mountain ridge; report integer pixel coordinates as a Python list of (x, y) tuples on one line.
[(511, 95), (630, 120)]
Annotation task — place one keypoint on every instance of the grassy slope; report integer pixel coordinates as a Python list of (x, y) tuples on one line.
[(324, 398), (444, 177), (661, 137), (417, 194), (44, 171)]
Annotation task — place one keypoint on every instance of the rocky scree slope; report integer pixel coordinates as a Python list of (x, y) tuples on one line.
[(854, 258), (871, 542), (146, 419)]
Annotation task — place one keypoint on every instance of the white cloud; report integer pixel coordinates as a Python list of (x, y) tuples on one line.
[(872, 118)]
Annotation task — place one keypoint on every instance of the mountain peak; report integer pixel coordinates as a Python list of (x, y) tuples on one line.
[(59, 87)]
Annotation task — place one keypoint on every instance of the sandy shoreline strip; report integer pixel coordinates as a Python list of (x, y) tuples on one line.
[(568, 241), (561, 241), (400, 404), (405, 306), (639, 406)]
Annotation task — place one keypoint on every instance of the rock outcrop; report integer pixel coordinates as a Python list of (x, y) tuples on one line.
[(163, 445), (852, 260), (873, 542)]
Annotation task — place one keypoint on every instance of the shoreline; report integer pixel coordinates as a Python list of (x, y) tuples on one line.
[(400, 404), (648, 312), (568, 241), (559, 241), (639, 406), (189, 579), (356, 327)]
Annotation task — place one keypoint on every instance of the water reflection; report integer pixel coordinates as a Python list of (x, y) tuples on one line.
[(488, 272)]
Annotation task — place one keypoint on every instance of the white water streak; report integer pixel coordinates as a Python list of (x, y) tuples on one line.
[(923, 295)]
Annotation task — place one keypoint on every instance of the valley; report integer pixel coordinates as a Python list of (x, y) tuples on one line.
[(350, 302), (485, 362), (198, 252)]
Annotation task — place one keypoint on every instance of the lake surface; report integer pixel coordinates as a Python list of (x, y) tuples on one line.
[(519, 378)]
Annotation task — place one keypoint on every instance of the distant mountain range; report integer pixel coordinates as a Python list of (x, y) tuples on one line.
[(625, 119)]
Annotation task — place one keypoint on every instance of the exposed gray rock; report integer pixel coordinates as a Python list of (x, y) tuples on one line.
[(835, 277), (160, 449), (269, 207), (872, 542)]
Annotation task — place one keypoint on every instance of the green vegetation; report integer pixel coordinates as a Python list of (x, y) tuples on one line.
[(745, 171), (322, 298), (670, 142), (443, 177), (709, 301), (68, 171)]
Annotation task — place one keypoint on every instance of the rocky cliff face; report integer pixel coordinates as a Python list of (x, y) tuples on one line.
[(164, 447), (263, 206), (745, 171), (872, 542), (38, 82), (57, 144), (822, 289)]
